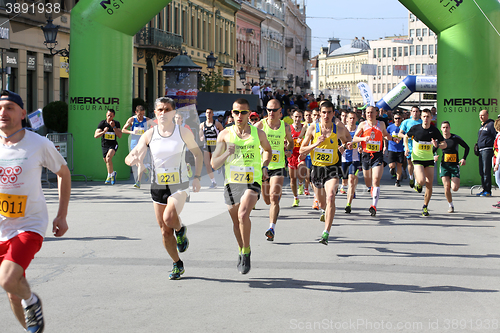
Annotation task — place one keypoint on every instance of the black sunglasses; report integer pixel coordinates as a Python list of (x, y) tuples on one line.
[(273, 110), (237, 112)]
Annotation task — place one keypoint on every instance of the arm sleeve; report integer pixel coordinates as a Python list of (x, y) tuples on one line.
[(466, 147)]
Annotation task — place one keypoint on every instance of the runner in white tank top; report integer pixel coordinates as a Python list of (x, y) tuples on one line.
[(169, 182)]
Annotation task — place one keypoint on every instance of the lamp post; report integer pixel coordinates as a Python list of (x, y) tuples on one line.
[(274, 83), (262, 75), (211, 60), (50, 33)]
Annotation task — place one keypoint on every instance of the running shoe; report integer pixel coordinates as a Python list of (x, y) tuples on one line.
[(270, 234), (245, 263), (177, 271), (301, 189), (372, 210), (451, 209), (369, 189), (486, 194), (480, 194), (137, 184), (418, 188), (348, 209), (189, 170), (113, 178), (214, 185), (108, 180), (342, 191), (397, 184), (295, 203), (393, 172), (425, 211), (306, 192), (239, 262), (316, 205), (324, 238), (322, 217), (497, 205), (33, 316), (182, 240), (412, 183)]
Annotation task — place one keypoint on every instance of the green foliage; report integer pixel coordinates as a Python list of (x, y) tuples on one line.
[(211, 82), (55, 116)]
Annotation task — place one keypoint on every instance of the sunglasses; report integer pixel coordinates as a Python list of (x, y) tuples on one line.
[(397, 118), (254, 119), (237, 112), (273, 110)]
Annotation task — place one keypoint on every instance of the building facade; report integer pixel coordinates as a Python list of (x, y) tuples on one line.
[(399, 56)]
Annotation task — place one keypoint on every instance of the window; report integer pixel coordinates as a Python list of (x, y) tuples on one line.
[(384, 70), (412, 33), (406, 51), (393, 85), (418, 50), (389, 68), (424, 49), (424, 32), (412, 69), (394, 52), (436, 49), (384, 53), (374, 53), (417, 69), (412, 50), (431, 49), (431, 33), (400, 51), (419, 32), (374, 87), (383, 88), (378, 70), (378, 88)]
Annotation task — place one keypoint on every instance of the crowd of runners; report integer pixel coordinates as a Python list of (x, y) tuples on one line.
[(321, 150)]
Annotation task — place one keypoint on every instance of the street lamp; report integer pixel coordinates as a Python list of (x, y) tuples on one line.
[(211, 60), (262, 74), (50, 33), (243, 75), (274, 83), (290, 82)]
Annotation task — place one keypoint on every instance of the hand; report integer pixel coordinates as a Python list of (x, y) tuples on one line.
[(436, 158), (341, 149), (462, 162), (407, 153), (105, 129), (348, 145), (288, 153), (396, 140), (59, 226), (495, 168), (196, 185), (265, 175), (231, 147), (435, 143), (112, 123), (321, 138)]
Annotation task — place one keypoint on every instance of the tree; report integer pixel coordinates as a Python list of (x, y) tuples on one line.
[(211, 82), (55, 116)]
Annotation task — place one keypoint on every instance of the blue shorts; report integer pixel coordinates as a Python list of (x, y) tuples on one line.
[(308, 161), (349, 168)]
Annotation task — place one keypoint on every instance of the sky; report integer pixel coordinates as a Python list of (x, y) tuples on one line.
[(346, 19)]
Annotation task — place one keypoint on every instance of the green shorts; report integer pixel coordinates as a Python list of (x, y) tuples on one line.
[(449, 171)]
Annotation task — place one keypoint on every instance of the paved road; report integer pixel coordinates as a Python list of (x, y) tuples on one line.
[(398, 272)]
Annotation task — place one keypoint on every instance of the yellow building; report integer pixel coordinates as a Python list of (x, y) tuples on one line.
[(339, 71)]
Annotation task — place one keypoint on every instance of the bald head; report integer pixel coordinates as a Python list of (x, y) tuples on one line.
[(273, 104)]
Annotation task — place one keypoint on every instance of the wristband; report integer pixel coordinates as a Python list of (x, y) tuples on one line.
[(198, 177), (265, 167)]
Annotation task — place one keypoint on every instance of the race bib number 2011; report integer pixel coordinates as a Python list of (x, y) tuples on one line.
[(12, 205)]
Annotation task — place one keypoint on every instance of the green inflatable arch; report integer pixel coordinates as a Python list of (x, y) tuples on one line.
[(101, 69)]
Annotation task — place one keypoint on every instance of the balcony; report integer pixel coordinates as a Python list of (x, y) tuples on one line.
[(289, 42), (158, 39)]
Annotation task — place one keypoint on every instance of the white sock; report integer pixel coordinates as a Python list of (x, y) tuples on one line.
[(411, 176), (213, 180), (272, 225), (326, 232), (322, 211), (450, 204), (110, 174), (296, 198), (376, 195), (30, 301)]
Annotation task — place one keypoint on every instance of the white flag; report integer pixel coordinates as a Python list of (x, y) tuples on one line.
[(366, 92)]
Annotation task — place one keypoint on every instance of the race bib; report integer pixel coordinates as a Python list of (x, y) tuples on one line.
[(109, 135), (424, 145), (276, 157), (168, 176), (354, 146), (12, 205), (296, 143), (211, 142), (139, 131), (323, 155), (451, 158), (241, 175), (373, 146)]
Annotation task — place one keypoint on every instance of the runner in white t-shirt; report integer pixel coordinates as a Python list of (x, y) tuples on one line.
[(23, 211)]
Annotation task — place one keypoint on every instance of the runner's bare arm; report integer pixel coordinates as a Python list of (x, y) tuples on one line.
[(129, 123), (188, 138), (220, 154), (136, 156), (345, 137), (306, 148), (266, 146), (60, 225), (99, 132), (200, 133), (359, 132), (219, 126), (289, 138)]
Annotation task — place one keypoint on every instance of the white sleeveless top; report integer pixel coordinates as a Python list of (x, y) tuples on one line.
[(168, 155)]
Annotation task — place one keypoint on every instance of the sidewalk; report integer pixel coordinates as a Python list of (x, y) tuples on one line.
[(109, 273)]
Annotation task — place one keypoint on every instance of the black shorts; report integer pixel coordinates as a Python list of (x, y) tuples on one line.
[(321, 174), (425, 164), (371, 160), (105, 150), (234, 192), (210, 149), (276, 172), (160, 193), (396, 157)]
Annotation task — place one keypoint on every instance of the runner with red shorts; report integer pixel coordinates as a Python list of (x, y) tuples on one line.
[(295, 168)]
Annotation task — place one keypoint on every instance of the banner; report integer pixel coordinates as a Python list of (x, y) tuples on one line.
[(367, 69), (367, 94)]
